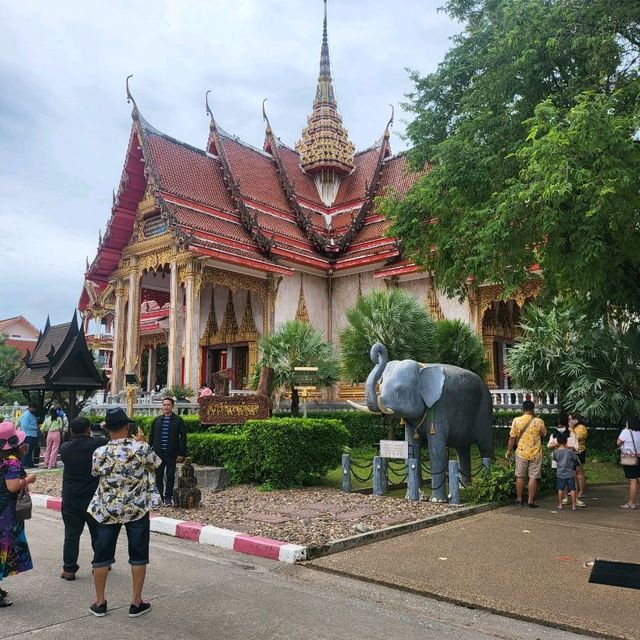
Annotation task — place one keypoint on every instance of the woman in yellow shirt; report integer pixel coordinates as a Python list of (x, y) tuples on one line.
[(580, 431)]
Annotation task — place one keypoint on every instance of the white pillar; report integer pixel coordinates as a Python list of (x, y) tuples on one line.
[(151, 368), (133, 319), (174, 364), (192, 327), (117, 359)]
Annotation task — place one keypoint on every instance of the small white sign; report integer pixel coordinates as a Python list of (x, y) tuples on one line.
[(394, 449)]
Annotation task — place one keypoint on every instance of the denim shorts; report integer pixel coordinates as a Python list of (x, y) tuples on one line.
[(565, 483), (107, 538)]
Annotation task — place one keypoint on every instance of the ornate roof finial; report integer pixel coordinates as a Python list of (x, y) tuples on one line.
[(265, 117), (325, 64), (390, 123), (325, 145), (206, 104), (130, 98)]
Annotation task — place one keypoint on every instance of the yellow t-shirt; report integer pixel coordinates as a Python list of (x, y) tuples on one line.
[(529, 445), (581, 435)]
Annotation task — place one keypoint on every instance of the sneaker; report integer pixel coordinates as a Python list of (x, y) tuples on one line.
[(68, 575), (533, 505), (168, 502), (579, 503), (565, 500), (99, 610), (141, 609)]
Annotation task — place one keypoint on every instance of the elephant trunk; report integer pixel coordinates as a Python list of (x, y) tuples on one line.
[(379, 357)]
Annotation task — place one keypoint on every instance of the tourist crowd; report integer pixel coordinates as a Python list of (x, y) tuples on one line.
[(568, 446), (108, 482)]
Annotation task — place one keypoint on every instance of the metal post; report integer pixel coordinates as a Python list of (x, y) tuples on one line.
[(413, 479), (346, 472), (379, 476), (454, 483)]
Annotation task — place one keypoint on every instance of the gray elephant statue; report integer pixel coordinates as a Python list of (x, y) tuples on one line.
[(447, 405)]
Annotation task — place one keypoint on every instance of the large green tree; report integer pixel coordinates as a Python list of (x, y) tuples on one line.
[(529, 129), (592, 364), (296, 344)]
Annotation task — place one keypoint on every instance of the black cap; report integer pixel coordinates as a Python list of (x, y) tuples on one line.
[(116, 417)]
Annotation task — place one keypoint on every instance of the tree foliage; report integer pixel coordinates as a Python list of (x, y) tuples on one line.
[(457, 344), (296, 344), (593, 364), (400, 321), (395, 318), (10, 365), (530, 130)]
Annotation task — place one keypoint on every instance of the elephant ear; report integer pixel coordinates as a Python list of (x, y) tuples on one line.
[(431, 384)]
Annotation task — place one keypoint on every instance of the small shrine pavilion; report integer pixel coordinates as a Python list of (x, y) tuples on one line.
[(61, 363), (206, 249)]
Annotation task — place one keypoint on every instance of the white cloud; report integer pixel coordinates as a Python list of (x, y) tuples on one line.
[(64, 122)]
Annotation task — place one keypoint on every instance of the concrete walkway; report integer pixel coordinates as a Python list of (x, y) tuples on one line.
[(520, 562)]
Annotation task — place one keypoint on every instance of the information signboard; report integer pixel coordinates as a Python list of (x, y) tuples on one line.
[(394, 449)]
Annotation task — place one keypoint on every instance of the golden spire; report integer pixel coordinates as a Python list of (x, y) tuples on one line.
[(325, 145), (302, 314)]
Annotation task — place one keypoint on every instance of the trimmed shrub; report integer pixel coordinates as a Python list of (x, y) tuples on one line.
[(289, 452), (364, 429), (497, 484), (222, 449)]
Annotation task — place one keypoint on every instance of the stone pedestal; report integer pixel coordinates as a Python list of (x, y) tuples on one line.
[(214, 478)]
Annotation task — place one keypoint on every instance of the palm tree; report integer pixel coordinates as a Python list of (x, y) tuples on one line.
[(395, 318), (296, 344), (457, 344), (593, 364)]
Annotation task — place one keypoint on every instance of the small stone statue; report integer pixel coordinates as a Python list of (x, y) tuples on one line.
[(187, 495)]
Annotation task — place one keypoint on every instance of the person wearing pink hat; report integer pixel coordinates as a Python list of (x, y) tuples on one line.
[(14, 551)]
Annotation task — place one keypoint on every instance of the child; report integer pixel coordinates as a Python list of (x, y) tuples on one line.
[(566, 460)]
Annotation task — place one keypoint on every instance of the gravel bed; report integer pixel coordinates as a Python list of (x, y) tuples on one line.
[(310, 516)]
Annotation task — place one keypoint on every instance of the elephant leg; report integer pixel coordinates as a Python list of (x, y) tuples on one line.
[(414, 453), (439, 460), (464, 465)]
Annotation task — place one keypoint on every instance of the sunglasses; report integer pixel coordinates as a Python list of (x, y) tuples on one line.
[(11, 440)]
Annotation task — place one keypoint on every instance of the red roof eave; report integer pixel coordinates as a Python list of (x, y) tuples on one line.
[(266, 267)]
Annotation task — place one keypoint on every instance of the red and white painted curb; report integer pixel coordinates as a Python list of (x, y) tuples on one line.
[(207, 534)]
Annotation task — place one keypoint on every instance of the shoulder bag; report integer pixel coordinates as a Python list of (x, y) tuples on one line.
[(630, 459), (23, 505), (515, 444)]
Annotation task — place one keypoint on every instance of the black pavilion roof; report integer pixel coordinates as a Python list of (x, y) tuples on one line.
[(61, 360)]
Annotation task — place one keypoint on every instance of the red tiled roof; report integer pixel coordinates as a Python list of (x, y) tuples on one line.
[(21, 345), (397, 175), (256, 175), (188, 172), (352, 187), (304, 185)]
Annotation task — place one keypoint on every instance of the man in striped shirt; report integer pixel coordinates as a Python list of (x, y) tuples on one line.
[(168, 438)]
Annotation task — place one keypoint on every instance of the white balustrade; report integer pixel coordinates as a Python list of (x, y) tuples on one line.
[(512, 399)]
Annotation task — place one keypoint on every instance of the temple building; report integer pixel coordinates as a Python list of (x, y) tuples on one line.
[(207, 249)]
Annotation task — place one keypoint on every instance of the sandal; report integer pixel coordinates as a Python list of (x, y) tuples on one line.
[(628, 505), (4, 602)]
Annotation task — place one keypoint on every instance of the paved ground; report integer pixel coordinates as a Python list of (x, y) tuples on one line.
[(200, 592), (517, 561)]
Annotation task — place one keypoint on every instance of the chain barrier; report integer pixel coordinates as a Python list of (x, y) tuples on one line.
[(362, 466), (399, 477)]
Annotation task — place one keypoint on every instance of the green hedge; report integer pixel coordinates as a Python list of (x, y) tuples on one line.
[(222, 449), (364, 429), (289, 452)]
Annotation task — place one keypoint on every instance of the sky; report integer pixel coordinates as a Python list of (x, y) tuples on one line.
[(65, 122)]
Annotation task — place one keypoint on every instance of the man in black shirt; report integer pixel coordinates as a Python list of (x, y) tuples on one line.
[(78, 487), (168, 438)]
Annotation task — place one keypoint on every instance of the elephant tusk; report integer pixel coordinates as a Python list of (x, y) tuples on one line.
[(384, 409), (361, 407)]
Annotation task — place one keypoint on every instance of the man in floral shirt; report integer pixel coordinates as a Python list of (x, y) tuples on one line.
[(126, 493)]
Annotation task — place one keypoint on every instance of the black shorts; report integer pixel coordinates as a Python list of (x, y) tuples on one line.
[(582, 456), (138, 532), (631, 472)]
